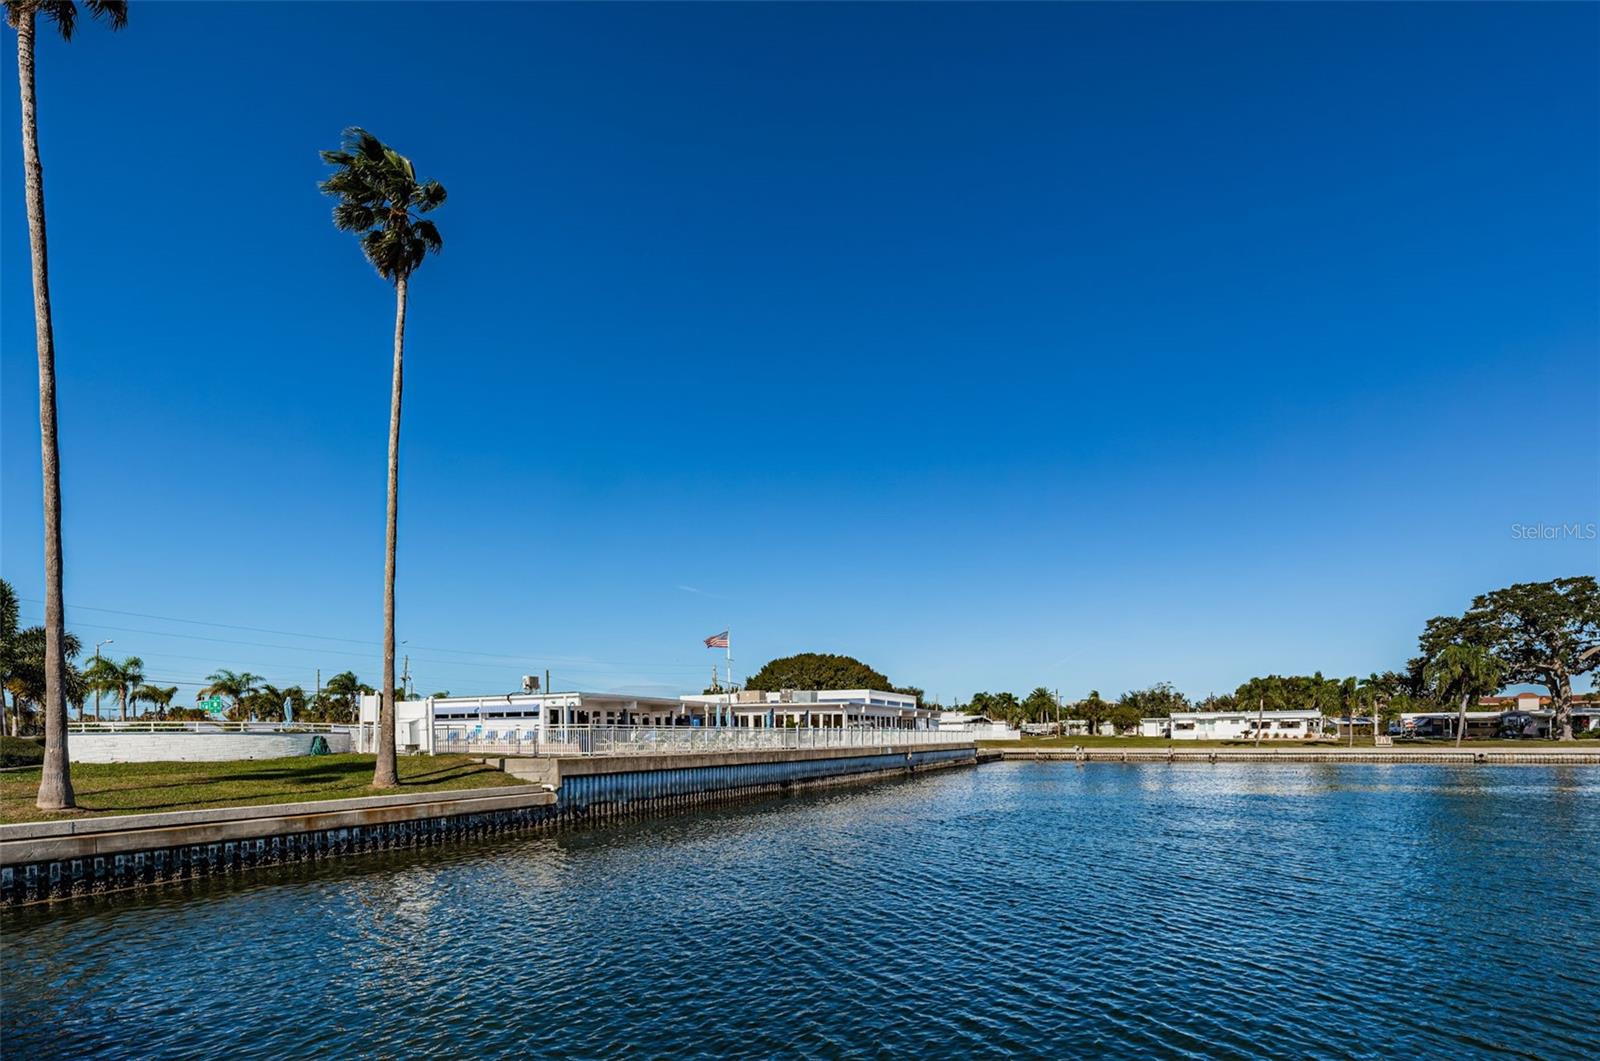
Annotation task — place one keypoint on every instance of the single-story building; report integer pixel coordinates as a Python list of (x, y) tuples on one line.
[(817, 709), (978, 727), (1234, 725), (434, 723)]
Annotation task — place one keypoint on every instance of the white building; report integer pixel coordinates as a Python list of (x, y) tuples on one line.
[(434, 723), (817, 709), (978, 727), (1234, 725)]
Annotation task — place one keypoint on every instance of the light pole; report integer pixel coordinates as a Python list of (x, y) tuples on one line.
[(97, 644)]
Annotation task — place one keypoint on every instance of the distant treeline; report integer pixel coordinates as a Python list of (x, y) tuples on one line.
[(1532, 633)]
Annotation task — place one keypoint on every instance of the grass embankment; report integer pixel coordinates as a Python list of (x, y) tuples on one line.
[(144, 788), (1031, 743)]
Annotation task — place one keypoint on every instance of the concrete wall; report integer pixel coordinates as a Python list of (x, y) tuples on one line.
[(194, 747)]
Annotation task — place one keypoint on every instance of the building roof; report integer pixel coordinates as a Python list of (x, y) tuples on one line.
[(1206, 715)]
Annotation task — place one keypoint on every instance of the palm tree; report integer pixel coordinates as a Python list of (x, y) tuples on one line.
[(235, 686), (108, 676), (378, 195), (268, 701), (158, 696), (26, 681), (55, 782), (1463, 672), (10, 616)]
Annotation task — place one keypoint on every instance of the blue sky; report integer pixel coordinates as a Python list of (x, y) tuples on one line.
[(1082, 346)]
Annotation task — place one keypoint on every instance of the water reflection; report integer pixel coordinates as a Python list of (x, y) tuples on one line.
[(1033, 909)]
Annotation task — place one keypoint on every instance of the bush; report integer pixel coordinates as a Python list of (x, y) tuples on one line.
[(1588, 734), (21, 751)]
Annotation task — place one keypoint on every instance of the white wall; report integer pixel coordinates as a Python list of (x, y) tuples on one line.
[(194, 747)]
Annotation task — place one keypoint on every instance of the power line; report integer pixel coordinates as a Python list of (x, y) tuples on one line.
[(520, 659)]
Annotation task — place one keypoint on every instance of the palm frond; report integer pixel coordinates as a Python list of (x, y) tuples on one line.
[(113, 12), (429, 236), (377, 189), (64, 13)]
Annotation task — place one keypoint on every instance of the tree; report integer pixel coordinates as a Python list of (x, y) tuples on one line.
[(26, 681), (267, 703), (338, 699), (1297, 692), (1159, 701), (1376, 693), (1543, 633), (105, 675), (10, 616), (1465, 673), (1039, 705), (1123, 716), (379, 196), (55, 781), (236, 686), (157, 696), (1093, 710), (817, 670)]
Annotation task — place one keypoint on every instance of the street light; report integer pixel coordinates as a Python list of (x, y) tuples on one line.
[(97, 644)]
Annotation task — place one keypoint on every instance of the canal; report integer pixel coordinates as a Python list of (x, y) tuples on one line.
[(1018, 909)]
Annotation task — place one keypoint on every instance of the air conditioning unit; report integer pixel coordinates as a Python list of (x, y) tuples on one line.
[(530, 683)]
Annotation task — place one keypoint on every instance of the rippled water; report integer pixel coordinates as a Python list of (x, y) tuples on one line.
[(1020, 909)]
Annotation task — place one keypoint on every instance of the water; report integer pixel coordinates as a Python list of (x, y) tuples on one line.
[(1016, 910)]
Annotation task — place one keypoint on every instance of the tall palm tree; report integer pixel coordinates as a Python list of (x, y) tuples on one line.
[(236, 686), (106, 675), (157, 696), (55, 782), (1464, 673), (379, 197)]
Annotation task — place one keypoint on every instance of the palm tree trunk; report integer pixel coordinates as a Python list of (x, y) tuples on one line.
[(386, 773), (1461, 720), (122, 703), (55, 782)]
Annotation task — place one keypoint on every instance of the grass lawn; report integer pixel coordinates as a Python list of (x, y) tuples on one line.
[(139, 788), (1029, 743)]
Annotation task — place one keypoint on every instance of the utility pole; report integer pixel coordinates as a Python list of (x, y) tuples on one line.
[(1261, 707), (405, 677), (97, 644), (319, 681)]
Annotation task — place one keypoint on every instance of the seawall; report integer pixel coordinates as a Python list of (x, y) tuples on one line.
[(81, 856), (1463, 757)]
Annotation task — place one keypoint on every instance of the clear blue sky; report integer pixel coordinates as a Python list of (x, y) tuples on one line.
[(999, 346)]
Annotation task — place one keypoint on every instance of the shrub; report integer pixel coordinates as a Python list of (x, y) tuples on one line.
[(21, 751)]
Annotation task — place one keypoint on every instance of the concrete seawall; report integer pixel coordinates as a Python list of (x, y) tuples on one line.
[(77, 856), (1464, 757)]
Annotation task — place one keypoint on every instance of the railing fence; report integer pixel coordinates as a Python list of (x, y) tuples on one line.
[(488, 739)]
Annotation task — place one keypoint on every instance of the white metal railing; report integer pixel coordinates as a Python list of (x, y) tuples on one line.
[(141, 725), (489, 739)]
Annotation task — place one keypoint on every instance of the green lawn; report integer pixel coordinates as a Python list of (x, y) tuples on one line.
[(1029, 743), (139, 788)]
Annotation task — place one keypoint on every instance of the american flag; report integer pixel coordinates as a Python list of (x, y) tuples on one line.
[(718, 640)]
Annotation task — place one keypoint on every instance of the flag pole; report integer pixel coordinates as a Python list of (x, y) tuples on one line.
[(730, 675)]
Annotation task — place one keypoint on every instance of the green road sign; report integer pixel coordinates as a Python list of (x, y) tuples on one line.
[(213, 704)]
